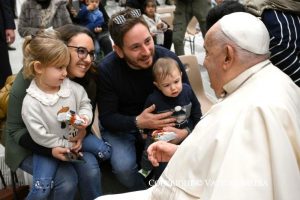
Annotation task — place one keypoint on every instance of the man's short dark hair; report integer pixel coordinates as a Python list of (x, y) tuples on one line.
[(117, 31)]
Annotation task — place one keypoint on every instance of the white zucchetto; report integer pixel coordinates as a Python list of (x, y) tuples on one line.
[(247, 31)]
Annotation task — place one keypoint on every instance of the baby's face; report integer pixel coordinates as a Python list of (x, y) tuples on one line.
[(171, 86)]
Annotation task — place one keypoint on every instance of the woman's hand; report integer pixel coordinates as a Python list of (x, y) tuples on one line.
[(160, 151), (154, 121), (181, 134), (59, 153)]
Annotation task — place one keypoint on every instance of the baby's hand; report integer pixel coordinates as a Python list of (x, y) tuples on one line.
[(91, 7), (73, 12), (97, 29)]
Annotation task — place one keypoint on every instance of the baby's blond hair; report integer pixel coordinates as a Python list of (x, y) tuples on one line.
[(164, 67)]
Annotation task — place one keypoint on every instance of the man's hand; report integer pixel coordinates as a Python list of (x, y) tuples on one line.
[(59, 153), (160, 151), (154, 121), (10, 36)]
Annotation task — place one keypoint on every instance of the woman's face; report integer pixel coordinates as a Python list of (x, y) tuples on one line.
[(79, 66)]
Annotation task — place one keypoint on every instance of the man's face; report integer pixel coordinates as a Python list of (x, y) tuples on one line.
[(213, 62), (138, 48)]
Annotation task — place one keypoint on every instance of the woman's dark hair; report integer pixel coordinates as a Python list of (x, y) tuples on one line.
[(68, 31), (225, 8)]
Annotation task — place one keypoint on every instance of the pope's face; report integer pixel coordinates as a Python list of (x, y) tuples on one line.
[(213, 62)]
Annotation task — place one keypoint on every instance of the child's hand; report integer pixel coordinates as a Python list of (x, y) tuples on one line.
[(91, 7), (84, 124), (159, 26), (97, 29)]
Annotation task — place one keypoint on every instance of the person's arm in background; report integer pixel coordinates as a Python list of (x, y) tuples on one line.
[(105, 16), (8, 23), (24, 24), (63, 15), (284, 30)]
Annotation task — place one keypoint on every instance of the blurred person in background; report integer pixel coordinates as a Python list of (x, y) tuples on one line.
[(7, 37)]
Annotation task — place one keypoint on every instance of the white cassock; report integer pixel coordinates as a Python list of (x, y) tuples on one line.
[(247, 147)]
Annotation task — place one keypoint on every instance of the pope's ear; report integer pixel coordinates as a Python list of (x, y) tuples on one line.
[(118, 50), (229, 57)]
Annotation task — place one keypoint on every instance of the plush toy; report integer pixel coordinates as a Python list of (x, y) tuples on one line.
[(163, 135), (67, 116)]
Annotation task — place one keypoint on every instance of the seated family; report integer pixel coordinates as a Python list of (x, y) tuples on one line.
[(41, 131)]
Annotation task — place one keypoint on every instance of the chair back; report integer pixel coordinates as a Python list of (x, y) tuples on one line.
[(193, 72), (168, 19)]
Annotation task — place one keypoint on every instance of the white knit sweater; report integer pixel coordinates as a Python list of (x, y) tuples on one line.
[(39, 113)]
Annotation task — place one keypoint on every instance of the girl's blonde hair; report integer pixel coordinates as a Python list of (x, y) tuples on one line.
[(45, 47), (164, 67)]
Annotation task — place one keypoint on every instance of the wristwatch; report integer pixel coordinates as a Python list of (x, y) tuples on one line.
[(136, 125)]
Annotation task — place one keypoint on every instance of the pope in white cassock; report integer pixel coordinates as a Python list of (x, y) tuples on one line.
[(247, 146)]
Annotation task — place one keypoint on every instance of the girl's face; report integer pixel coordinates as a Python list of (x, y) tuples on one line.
[(150, 9), (78, 65), (49, 78)]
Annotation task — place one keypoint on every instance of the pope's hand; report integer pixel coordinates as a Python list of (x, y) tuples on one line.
[(160, 151)]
